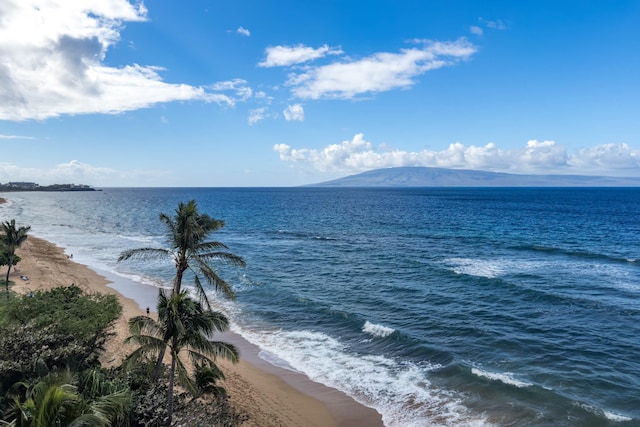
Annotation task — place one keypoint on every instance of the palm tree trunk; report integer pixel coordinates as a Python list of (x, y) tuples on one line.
[(6, 282), (177, 283), (172, 375), (156, 369)]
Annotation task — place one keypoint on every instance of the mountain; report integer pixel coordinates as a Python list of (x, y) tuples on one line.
[(438, 177)]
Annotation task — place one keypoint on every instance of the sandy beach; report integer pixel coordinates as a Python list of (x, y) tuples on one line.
[(271, 396)]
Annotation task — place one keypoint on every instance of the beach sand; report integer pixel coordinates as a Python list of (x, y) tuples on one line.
[(271, 396)]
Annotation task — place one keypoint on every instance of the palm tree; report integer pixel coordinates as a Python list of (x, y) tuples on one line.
[(184, 326), (55, 401), (12, 239), (187, 232)]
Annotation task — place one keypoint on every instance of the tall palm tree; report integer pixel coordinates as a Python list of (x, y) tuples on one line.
[(187, 232), (185, 327), (11, 239)]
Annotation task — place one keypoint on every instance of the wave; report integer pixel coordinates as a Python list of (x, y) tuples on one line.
[(504, 377), (305, 236), (611, 416), (603, 275), (616, 417), (377, 330), (578, 254), (400, 391), (476, 267), (139, 238)]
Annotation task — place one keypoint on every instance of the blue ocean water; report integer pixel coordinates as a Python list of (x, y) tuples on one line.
[(436, 307)]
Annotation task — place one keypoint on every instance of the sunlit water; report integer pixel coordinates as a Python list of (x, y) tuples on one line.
[(449, 307)]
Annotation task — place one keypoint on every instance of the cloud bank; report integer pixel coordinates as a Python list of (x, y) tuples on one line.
[(75, 172), (52, 61), (358, 155)]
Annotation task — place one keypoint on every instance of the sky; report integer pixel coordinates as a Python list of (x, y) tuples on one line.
[(117, 93)]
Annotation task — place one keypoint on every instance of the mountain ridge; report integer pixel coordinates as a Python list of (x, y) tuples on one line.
[(421, 176)]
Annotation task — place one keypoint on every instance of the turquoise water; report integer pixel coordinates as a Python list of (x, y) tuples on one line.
[(452, 307)]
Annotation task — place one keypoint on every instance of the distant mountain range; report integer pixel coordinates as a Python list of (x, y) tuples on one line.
[(438, 177)]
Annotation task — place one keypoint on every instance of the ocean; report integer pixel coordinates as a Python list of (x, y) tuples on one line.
[(435, 306)]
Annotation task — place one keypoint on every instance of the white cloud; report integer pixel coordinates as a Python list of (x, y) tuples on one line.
[(238, 87), (283, 56), (52, 61), (15, 137), (358, 155), (243, 31), (257, 115), (494, 25), (474, 29), (75, 172), (378, 73), (605, 157), (294, 112)]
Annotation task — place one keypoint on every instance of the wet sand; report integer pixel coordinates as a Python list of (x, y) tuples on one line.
[(270, 395)]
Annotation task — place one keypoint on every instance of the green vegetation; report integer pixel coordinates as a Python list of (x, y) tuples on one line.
[(51, 341), (48, 341), (10, 240), (50, 374), (183, 324), (184, 327)]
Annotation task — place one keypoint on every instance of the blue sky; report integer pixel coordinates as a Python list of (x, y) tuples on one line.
[(284, 93)]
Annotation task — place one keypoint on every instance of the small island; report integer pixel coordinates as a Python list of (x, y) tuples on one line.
[(32, 186)]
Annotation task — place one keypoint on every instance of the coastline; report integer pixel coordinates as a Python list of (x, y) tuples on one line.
[(270, 395)]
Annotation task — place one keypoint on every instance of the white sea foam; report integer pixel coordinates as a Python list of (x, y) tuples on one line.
[(377, 330), (139, 238), (611, 416), (616, 417), (476, 267), (400, 391), (504, 377)]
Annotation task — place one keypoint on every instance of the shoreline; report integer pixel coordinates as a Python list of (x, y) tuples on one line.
[(270, 395)]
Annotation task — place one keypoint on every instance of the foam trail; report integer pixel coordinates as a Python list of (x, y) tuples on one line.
[(400, 391), (476, 267), (377, 330), (616, 417), (505, 377)]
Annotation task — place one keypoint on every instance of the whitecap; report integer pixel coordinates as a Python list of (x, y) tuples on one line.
[(377, 330), (616, 417), (476, 267), (400, 391), (504, 377)]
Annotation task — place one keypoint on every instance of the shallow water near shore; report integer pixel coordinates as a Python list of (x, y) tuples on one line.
[(434, 306)]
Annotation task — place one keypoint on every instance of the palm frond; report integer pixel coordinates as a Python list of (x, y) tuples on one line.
[(221, 257), (218, 320), (144, 254), (209, 246), (200, 291), (226, 351), (111, 407), (184, 379), (219, 284), (144, 325)]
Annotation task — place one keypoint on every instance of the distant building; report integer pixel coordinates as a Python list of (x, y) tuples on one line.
[(22, 184)]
